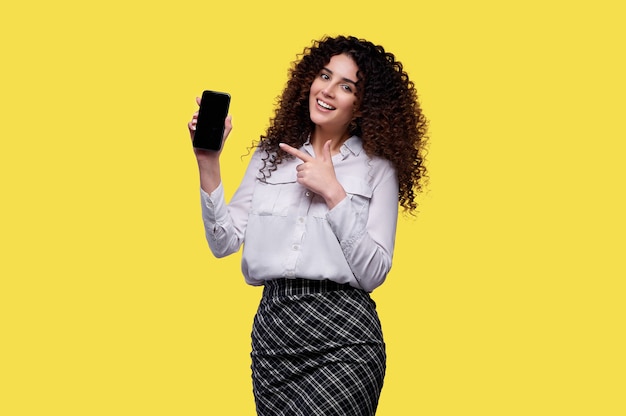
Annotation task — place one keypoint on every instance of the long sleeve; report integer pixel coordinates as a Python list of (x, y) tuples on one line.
[(225, 224), (366, 232)]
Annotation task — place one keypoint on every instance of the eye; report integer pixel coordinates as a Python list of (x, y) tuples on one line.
[(324, 76), (346, 87)]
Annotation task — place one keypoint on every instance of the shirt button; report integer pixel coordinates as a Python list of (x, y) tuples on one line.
[(295, 247), (307, 193), (301, 220)]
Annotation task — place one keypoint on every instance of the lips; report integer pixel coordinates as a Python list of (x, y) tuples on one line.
[(325, 105)]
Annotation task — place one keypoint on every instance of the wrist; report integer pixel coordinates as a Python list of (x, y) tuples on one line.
[(208, 163), (334, 196), (210, 175)]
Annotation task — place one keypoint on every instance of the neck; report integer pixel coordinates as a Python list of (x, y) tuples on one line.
[(319, 138)]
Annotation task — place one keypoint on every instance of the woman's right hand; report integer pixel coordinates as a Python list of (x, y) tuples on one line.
[(209, 161), (207, 155)]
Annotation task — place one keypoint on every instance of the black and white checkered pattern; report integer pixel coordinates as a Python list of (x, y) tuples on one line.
[(317, 349)]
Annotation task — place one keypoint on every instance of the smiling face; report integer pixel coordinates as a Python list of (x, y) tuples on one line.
[(332, 96)]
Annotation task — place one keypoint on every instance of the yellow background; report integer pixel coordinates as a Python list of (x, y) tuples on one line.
[(507, 293)]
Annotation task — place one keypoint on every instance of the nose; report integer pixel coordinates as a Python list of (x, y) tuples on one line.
[(328, 91)]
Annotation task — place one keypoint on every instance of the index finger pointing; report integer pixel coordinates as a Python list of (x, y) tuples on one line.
[(295, 152)]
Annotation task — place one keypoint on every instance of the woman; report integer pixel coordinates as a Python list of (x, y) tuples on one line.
[(316, 213)]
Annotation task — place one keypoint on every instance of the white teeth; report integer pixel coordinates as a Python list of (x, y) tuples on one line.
[(325, 105)]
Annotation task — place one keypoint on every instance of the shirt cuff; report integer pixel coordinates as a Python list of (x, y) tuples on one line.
[(348, 220), (213, 205)]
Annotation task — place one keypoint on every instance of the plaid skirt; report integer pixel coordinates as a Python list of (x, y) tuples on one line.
[(317, 349)]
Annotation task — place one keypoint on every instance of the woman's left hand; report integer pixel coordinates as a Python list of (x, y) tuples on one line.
[(318, 174)]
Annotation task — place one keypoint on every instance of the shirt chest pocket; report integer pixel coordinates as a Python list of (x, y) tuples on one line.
[(276, 195), (358, 190)]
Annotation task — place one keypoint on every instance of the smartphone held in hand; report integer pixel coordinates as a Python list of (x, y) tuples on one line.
[(210, 124)]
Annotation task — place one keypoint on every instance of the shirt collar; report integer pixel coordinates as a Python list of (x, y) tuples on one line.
[(354, 146)]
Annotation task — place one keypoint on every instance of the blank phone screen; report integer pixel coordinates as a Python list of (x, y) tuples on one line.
[(210, 125)]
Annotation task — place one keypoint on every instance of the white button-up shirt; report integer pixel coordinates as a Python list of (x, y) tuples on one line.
[(288, 231)]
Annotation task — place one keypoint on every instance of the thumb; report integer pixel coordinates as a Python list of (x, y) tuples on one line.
[(326, 150)]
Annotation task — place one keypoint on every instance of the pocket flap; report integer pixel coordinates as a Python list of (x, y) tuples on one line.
[(356, 186)]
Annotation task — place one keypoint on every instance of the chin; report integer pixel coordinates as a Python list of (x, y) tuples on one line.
[(316, 119)]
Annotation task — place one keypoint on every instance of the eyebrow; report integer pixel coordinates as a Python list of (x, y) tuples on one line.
[(345, 79)]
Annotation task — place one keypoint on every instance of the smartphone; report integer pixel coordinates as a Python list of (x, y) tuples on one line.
[(210, 124)]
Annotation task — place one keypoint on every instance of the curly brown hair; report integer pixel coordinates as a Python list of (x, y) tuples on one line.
[(389, 119)]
